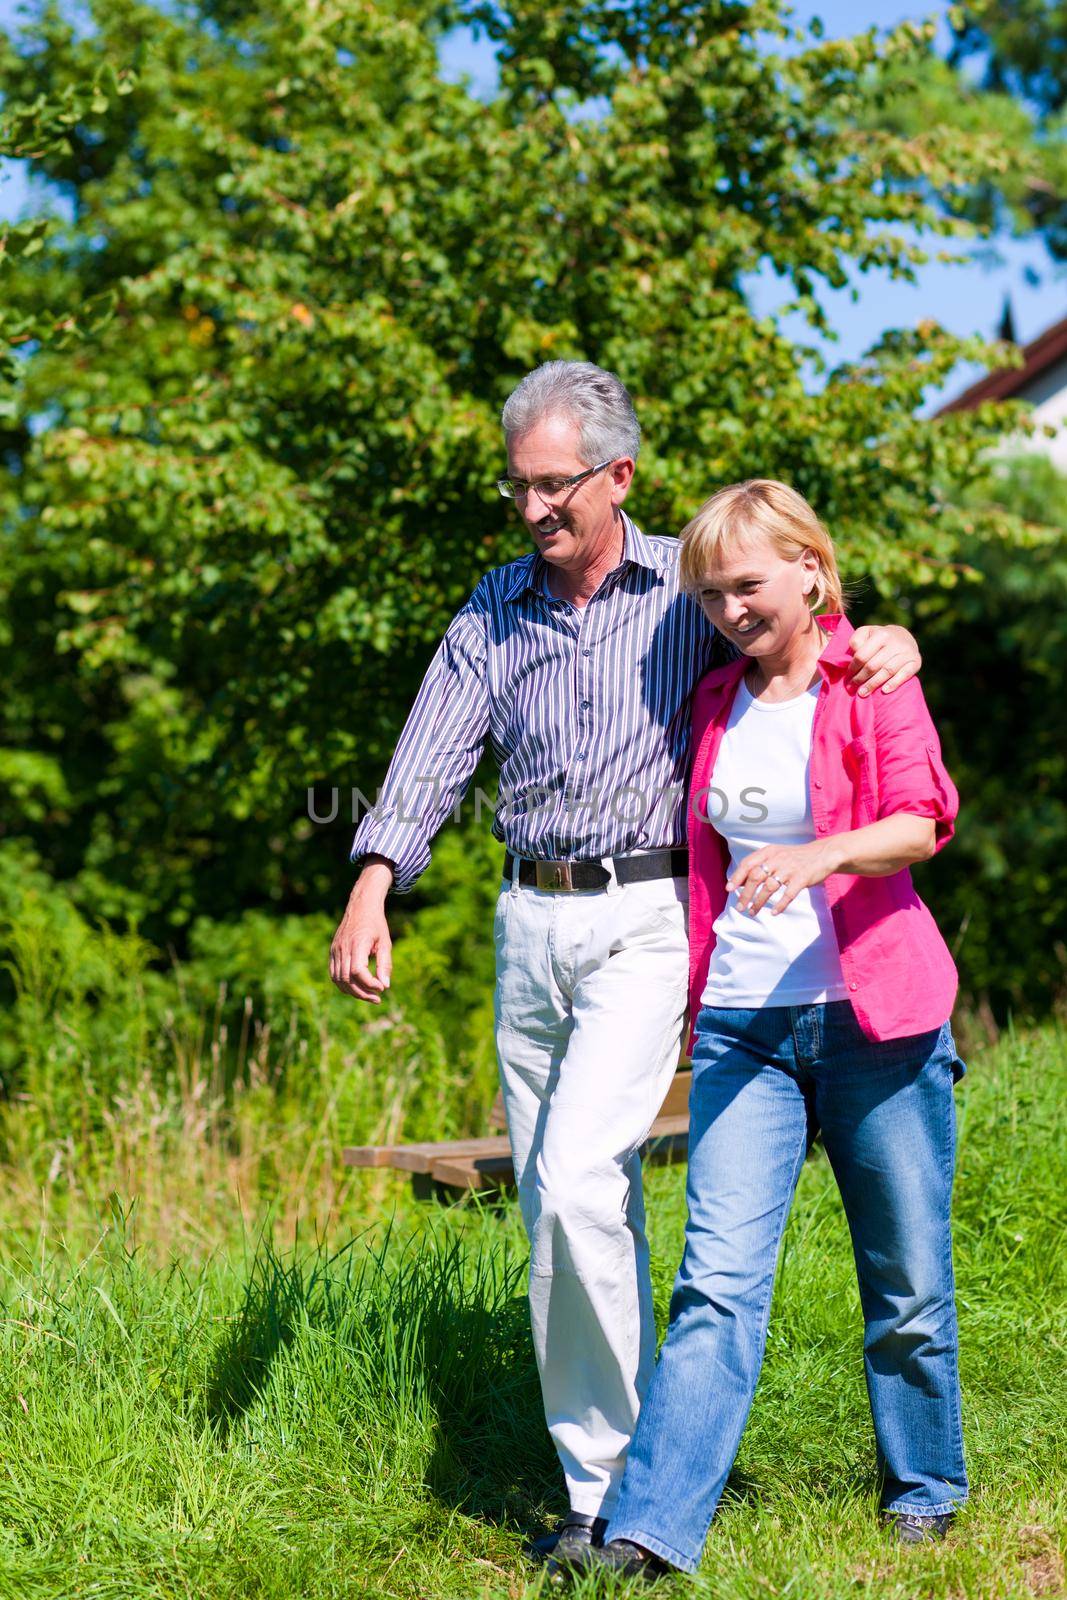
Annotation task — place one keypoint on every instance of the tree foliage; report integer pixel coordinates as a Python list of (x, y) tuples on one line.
[(995, 659), (1018, 46), (289, 278), (1020, 50), (1005, 72)]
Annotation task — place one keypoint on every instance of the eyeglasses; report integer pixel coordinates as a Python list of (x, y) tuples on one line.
[(546, 488)]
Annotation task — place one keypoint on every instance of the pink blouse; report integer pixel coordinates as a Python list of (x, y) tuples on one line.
[(870, 758)]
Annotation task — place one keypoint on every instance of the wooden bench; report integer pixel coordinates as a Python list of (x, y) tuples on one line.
[(453, 1167)]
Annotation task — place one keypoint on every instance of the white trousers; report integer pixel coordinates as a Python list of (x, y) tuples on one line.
[(590, 1007)]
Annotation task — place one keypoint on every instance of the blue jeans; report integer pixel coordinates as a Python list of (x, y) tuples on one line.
[(764, 1083)]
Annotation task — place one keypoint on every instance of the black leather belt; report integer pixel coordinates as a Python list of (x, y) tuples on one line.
[(566, 876)]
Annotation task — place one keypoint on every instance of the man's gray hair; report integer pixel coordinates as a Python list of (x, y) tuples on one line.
[(595, 400)]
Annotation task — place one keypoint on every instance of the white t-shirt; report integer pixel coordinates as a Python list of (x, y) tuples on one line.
[(760, 797)]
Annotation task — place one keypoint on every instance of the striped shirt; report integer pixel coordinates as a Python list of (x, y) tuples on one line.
[(587, 711)]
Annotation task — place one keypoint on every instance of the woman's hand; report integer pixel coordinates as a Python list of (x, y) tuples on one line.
[(781, 870), (874, 851)]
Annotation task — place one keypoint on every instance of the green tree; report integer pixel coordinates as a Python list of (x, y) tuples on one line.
[(238, 513), (995, 660), (1019, 47), (1020, 50), (1003, 76), (996, 649)]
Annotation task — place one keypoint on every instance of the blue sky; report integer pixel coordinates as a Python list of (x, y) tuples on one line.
[(965, 299)]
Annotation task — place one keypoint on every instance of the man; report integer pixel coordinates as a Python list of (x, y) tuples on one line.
[(577, 662)]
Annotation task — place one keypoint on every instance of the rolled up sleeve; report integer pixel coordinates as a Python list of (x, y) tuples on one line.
[(912, 776), (436, 755)]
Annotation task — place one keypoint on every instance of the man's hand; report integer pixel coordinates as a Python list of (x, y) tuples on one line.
[(882, 658), (363, 933)]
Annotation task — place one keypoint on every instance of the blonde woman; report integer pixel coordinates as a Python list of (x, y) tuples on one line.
[(820, 992)]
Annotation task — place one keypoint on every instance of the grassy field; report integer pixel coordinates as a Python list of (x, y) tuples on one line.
[(195, 1403)]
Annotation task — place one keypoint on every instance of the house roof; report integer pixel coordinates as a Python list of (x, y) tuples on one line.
[(1007, 382)]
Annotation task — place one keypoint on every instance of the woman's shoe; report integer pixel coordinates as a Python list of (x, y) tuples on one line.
[(911, 1527)]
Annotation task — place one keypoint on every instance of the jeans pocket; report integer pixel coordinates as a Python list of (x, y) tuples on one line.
[(946, 1047)]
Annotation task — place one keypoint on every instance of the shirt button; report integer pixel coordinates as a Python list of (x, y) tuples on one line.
[(587, 652), (853, 987), (586, 704), (818, 784)]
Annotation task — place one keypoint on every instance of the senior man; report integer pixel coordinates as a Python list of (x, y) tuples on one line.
[(577, 663)]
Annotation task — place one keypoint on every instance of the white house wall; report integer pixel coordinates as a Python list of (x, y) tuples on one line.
[(1048, 396)]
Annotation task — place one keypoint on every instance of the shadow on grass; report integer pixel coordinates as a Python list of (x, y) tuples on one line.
[(492, 1456), (424, 1339), (419, 1350), (460, 1313), (265, 1324)]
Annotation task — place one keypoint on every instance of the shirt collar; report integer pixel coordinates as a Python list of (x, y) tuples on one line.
[(638, 549), (521, 576), (835, 657), (836, 653), (530, 572)]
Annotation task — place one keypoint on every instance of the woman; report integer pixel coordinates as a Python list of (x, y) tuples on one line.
[(820, 989)]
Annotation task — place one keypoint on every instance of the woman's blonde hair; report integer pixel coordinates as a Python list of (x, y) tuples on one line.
[(728, 520)]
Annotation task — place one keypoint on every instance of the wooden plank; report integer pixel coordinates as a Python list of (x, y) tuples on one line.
[(491, 1156), (423, 1157), (667, 1142), (368, 1155), (408, 1157), (427, 1157), (474, 1172), (668, 1127), (486, 1163), (676, 1100)]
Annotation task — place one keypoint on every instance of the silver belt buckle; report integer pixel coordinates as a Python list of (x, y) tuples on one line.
[(554, 875)]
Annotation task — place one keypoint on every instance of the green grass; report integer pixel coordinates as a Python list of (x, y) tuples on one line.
[(362, 1416)]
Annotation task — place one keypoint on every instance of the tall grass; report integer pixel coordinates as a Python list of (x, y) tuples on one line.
[(271, 1427), (359, 1413), (212, 1087)]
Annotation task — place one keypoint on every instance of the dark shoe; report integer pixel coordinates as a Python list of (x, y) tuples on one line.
[(911, 1527), (577, 1531), (618, 1555)]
